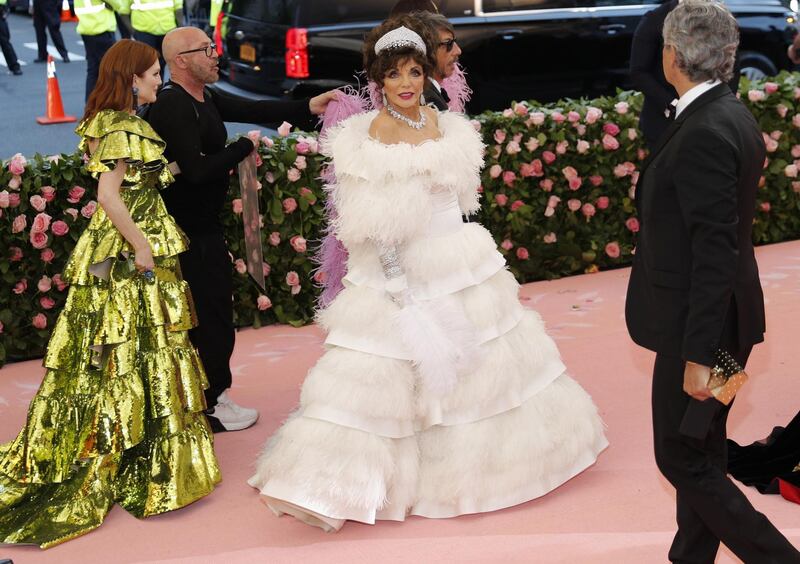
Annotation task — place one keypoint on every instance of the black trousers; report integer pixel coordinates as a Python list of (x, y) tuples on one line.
[(47, 14), (206, 266), (124, 32), (710, 507), (153, 41), (96, 46), (5, 44)]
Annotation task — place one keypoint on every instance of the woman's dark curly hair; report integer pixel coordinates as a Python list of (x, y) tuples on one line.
[(376, 66)]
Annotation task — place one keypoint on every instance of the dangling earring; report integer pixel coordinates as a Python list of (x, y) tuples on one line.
[(135, 92), (422, 99), (385, 101)]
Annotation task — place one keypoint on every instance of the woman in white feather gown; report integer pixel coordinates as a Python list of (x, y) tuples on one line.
[(438, 394)]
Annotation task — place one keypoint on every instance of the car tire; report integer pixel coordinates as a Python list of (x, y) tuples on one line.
[(755, 66)]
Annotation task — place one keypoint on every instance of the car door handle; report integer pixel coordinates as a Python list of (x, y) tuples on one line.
[(509, 34), (611, 29)]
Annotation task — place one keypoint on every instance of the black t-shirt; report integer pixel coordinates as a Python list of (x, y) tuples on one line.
[(195, 135)]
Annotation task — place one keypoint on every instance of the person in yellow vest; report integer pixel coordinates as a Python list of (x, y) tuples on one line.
[(5, 41), (216, 8), (96, 26), (152, 19)]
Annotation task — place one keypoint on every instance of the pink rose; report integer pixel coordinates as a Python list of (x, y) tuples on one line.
[(289, 205), (38, 202), (522, 253), (621, 107), (569, 172), (60, 284), (772, 145), (526, 170), (88, 210), (611, 129), (255, 136), (546, 185), (274, 238), (476, 124), (39, 321), (269, 177), (292, 278), (44, 284), (320, 276), (495, 171), (237, 206), (521, 109), (593, 114), (300, 162), (796, 120), (573, 116), (553, 201), (632, 224), (596, 180), (537, 168), (796, 187), (240, 266), (501, 199), (641, 154), (20, 222), (588, 210), (549, 212), (610, 143), (41, 222), (509, 177), (47, 255), (267, 142), (16, 165), (765, 206), (582, 146), (38, 239), (790, 171), (620, 171), (532, 144), (1, 327), (516, 205), (537, 118), (770, 88), (72, 212), (612, 249), (776, 135), (602, 202), (573, 204), (298, 243), (308, 194), (549, 157), (756, 95), (75, 194), (48, 193), (302, 148), (15, 182), (782, 110), (795, 154), (507, 245), (14, 254), (550, 238), (508, 112), (259, 162), (47, 302), (580, 129), (499, 136), (284, 129), (632, 134), (557, 117), (575, 183), (4, 199), (266, 269), (21, 286), (293, 174), (263, 302), (513, 148), (561, 147)]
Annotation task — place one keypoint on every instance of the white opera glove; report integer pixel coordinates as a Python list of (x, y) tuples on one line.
[(396, 281)]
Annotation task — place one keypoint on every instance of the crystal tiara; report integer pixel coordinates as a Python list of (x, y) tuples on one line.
[(400, 37)]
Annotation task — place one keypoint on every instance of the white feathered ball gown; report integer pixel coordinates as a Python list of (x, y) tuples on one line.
[(370, 440)]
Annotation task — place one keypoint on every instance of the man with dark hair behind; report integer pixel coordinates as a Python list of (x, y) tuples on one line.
[(446, 50)]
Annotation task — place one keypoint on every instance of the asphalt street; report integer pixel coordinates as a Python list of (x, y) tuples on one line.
[(22, 98)]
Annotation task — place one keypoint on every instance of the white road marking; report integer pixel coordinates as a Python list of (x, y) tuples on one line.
[(52, 51)]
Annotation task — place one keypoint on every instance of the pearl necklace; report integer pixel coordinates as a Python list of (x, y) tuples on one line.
[(407, 120)]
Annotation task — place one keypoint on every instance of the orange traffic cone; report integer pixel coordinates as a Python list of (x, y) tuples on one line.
[(55, 109), (66, 15)]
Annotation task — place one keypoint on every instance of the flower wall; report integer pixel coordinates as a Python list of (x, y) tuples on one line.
[(558, 189)]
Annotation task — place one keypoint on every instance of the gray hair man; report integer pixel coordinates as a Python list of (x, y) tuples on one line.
[(694, 292)]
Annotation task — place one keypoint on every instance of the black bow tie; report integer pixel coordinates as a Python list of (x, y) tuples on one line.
[(445, 95)]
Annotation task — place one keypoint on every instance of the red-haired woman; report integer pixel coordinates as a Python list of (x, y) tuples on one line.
[(118, 417)]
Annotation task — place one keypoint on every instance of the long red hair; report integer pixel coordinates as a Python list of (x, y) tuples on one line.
[(114, 88)]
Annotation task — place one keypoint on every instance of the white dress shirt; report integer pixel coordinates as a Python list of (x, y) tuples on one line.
[(693, 94)]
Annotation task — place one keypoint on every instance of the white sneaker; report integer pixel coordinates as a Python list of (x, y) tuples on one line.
[(229, 416)]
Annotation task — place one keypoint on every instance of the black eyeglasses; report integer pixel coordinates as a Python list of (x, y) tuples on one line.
[(208, 49), (448, 45)]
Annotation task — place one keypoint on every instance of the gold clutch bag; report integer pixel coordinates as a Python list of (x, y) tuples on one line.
[(727, 377)]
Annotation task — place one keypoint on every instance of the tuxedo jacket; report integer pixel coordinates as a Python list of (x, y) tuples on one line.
[(694, 272), (433, 96), (647, 73)]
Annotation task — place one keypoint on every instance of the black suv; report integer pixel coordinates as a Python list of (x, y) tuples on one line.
[(512, 49)]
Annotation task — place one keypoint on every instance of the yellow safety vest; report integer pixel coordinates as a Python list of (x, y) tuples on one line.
[(94, 17), (216, 8), (155, 17)]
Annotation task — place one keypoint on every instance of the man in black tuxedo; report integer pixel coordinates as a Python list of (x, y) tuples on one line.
[(647, 74), (694, 286)]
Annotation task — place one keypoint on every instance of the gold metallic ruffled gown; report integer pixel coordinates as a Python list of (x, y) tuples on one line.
[(118, 417)]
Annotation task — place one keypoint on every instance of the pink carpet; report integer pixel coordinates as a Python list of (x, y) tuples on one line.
[(618, 511)]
